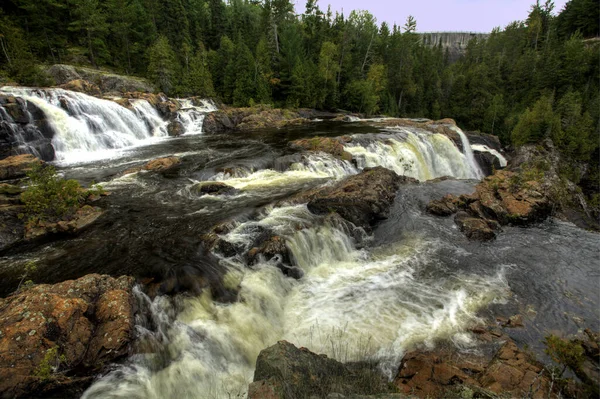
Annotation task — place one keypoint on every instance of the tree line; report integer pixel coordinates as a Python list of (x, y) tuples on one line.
[(533, 79)]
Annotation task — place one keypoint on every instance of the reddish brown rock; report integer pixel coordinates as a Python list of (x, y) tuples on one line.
[(162, 164), (474, 227), (16, 166), (78, 325), (499, 368), (443, 207), (83, 217), (82, 86)]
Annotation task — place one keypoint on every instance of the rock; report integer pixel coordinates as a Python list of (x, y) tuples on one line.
[(488, 162), (212, 188), (12, 229), (16, 166), (362, 199), (329, 145), (83, 217), (275, 250), (443, 207), (217, 122), (498, 368), (60, 336), (162, 164), (106, 81), (175, 129), (474, 227), (82, 86), (285, 371)]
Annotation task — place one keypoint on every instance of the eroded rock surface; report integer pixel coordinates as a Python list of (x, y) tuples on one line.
[(16, 166), (56, 337), (329, 145), (285, 371)]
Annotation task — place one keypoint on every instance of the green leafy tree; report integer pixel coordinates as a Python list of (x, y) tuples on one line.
[(537, 123)]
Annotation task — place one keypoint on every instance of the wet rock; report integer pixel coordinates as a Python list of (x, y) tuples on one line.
[(285, 371), (57, 337), (212, 188), (443, 207), (12, 229), (329, 145), (162, 164), (217, 122), (83, 218), (268, 250), (488, 162), (474, 227), (175, 129), (16, 166), (498, 368), (362, 199), (82, 86)]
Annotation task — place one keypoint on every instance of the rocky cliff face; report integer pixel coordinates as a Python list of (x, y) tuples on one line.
[(454, 42)]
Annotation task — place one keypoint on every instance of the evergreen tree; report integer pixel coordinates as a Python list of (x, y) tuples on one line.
[(162, 65)]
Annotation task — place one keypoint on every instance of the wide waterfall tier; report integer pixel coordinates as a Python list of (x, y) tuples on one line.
[(70, 127), (416, 153)]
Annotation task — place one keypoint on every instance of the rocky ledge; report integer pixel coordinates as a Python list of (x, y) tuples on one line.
[(55, 338), (285, 371), (245, 119), (329, 145)]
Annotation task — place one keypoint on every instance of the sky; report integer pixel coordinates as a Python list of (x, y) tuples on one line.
[(439, 15)]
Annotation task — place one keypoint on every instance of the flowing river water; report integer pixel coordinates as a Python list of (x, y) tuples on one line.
[(415, 280)]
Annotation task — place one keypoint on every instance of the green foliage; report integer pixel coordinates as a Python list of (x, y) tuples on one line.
[(564, 352), (51, 198), (49, 364), (162, 65), (537, 123)]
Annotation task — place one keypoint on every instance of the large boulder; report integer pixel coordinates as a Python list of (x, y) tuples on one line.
[(175, 128), (212, 188), (15, 167), (285, 371), (57, 337), (246, 119), (162, 164), (362, 199)]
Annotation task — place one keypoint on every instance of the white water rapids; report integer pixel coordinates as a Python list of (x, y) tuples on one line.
[(87, 128), (351, 304)]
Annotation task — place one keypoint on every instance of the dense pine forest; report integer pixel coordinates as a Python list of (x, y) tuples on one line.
[(532, 79)]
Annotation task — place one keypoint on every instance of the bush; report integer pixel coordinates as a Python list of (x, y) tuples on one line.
[(51, 198)]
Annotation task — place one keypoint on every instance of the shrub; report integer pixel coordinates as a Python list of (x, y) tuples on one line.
[(564, 352), (51, 198)]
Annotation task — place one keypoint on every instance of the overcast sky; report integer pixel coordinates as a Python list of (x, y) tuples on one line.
[(439, 15)]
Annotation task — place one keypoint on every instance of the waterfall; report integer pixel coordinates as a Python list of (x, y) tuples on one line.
[(192, 116), (485, 148), (468, 152), (416, 153), (83, 128)]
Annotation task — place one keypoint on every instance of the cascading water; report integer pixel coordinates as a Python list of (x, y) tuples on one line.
[(87, 128), (192, 114), (416, 153), (350, 304), (485, 148), (83, 128)]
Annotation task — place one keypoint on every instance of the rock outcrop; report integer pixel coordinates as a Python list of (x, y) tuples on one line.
[(162, 164), (329, 145), (285, 371), (212, 188), (362, 199), (82, 86), (107, 82), (505, 198), (245, 119), (55, 338), (17, 166)]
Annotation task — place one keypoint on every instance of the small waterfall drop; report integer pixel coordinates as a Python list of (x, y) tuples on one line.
[(468, 152), (192, 115), (485, 148)]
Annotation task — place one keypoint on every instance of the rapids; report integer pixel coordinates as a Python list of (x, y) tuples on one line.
[(413, 281)]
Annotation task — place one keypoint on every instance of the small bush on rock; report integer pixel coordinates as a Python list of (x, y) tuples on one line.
[(51, 198)]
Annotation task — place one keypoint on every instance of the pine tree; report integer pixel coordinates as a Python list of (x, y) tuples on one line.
[(162, 65)]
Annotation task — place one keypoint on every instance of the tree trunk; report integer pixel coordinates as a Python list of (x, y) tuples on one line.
[(5, 52), (89, 37)]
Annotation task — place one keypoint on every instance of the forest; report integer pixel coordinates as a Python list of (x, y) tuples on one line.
[(529, 80)]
